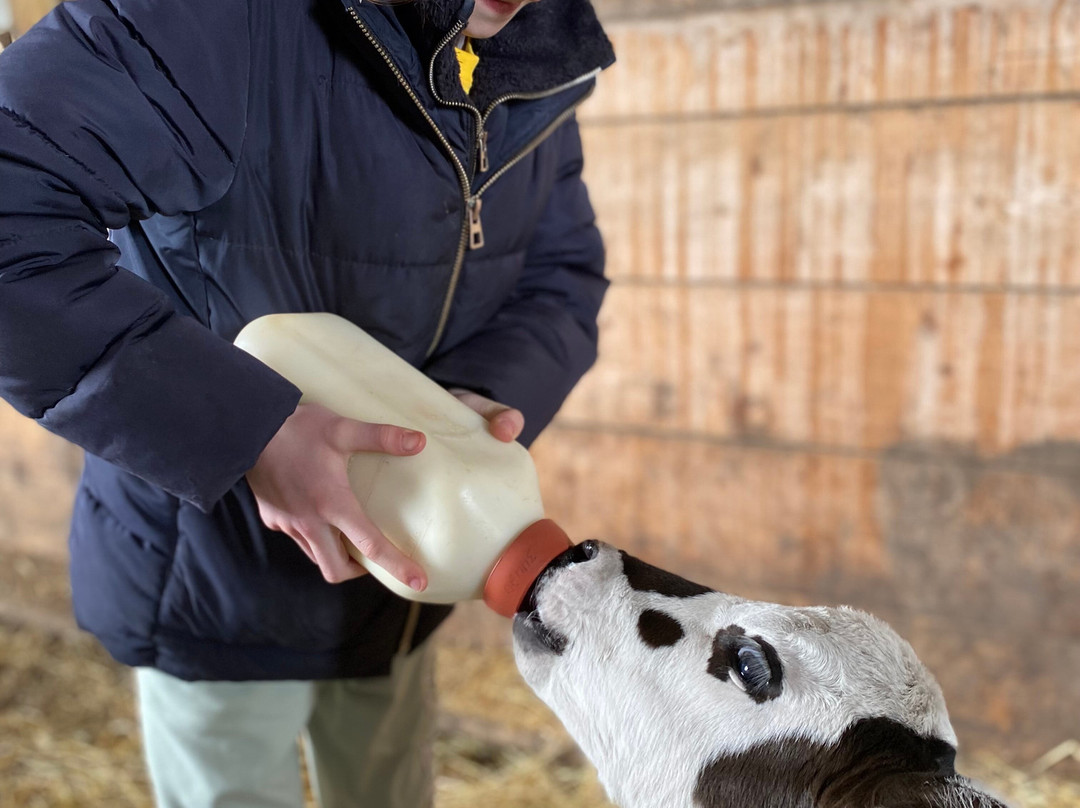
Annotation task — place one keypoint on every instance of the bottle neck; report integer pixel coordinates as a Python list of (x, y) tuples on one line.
[(521, 563)]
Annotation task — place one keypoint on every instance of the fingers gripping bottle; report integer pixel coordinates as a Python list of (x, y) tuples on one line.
[(467, 508)]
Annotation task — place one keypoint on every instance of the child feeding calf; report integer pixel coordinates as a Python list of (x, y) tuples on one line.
[(684, 697)]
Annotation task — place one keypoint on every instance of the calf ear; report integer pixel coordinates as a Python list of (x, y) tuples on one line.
[(884, 764), (881, 763)]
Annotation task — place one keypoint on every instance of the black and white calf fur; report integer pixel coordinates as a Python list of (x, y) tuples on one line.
[(683, 697)]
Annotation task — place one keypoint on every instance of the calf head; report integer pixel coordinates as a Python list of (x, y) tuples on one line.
[(686, 697)]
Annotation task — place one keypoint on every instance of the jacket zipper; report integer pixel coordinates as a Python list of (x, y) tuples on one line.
[(463, 178), (472, 230), (536, 141), (481, 135), (481, 119), (476, 227), (502, 99)]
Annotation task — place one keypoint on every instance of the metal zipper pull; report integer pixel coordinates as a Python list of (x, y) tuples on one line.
[(481, 144), (476, 228)]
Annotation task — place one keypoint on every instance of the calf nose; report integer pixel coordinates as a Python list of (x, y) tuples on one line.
[(578, 554)]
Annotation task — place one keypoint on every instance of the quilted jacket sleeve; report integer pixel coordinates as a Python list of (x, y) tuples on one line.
[(543, 339), (111, 112)]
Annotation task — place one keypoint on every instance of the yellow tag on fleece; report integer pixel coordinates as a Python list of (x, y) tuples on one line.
[(467, 62)]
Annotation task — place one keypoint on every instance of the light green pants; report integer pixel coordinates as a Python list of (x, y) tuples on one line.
[(232, 744)]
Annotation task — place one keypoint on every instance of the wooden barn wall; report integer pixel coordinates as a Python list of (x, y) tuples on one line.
[(839, 356), (838, 353), (24, 13)]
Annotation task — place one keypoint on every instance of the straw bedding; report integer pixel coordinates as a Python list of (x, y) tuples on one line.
[(68, 735)]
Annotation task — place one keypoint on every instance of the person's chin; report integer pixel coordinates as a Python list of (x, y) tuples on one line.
[(490, 17)]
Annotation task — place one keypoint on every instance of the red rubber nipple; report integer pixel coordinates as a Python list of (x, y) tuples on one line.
[(521, 563)]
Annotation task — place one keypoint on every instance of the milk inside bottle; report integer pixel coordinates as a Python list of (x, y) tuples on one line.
[(467, 508)]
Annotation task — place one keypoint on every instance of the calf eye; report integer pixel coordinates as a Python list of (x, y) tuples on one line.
[(751, 661), (752, 669)]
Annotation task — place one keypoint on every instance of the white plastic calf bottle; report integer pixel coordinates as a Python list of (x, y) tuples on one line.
[(467, 508)]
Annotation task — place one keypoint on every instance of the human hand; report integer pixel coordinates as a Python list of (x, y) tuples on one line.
[(301, 485), (505, 423)]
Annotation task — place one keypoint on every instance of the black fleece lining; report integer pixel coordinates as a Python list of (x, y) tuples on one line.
[(545, 46)]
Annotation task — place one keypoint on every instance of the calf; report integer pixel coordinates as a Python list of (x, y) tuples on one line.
[(682, 696)]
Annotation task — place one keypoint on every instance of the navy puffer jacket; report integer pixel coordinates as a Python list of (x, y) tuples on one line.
[(258, 157)]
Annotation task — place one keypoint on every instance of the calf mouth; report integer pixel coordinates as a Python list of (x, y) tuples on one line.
[(530, 631), (531, 634)]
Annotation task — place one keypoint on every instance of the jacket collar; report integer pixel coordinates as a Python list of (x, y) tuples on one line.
[(546, 46)]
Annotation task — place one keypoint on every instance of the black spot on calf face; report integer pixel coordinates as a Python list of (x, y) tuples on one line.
[(644, 577), (658, 630)]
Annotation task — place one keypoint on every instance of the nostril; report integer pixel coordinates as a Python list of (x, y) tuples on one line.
[(578, 554), (584, 551)]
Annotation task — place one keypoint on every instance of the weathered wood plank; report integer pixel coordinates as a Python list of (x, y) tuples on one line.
[(612, 10), (839, 369), (968, 196), (930, 529), (821, 54), (27, 12), (775, 519)]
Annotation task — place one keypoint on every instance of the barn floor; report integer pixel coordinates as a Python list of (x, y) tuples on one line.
[(68, 735)]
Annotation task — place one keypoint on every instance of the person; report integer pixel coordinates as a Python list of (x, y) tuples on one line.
[(171, 171)]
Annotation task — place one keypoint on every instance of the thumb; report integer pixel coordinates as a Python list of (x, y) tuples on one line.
[(360, 436), (504, 422)]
